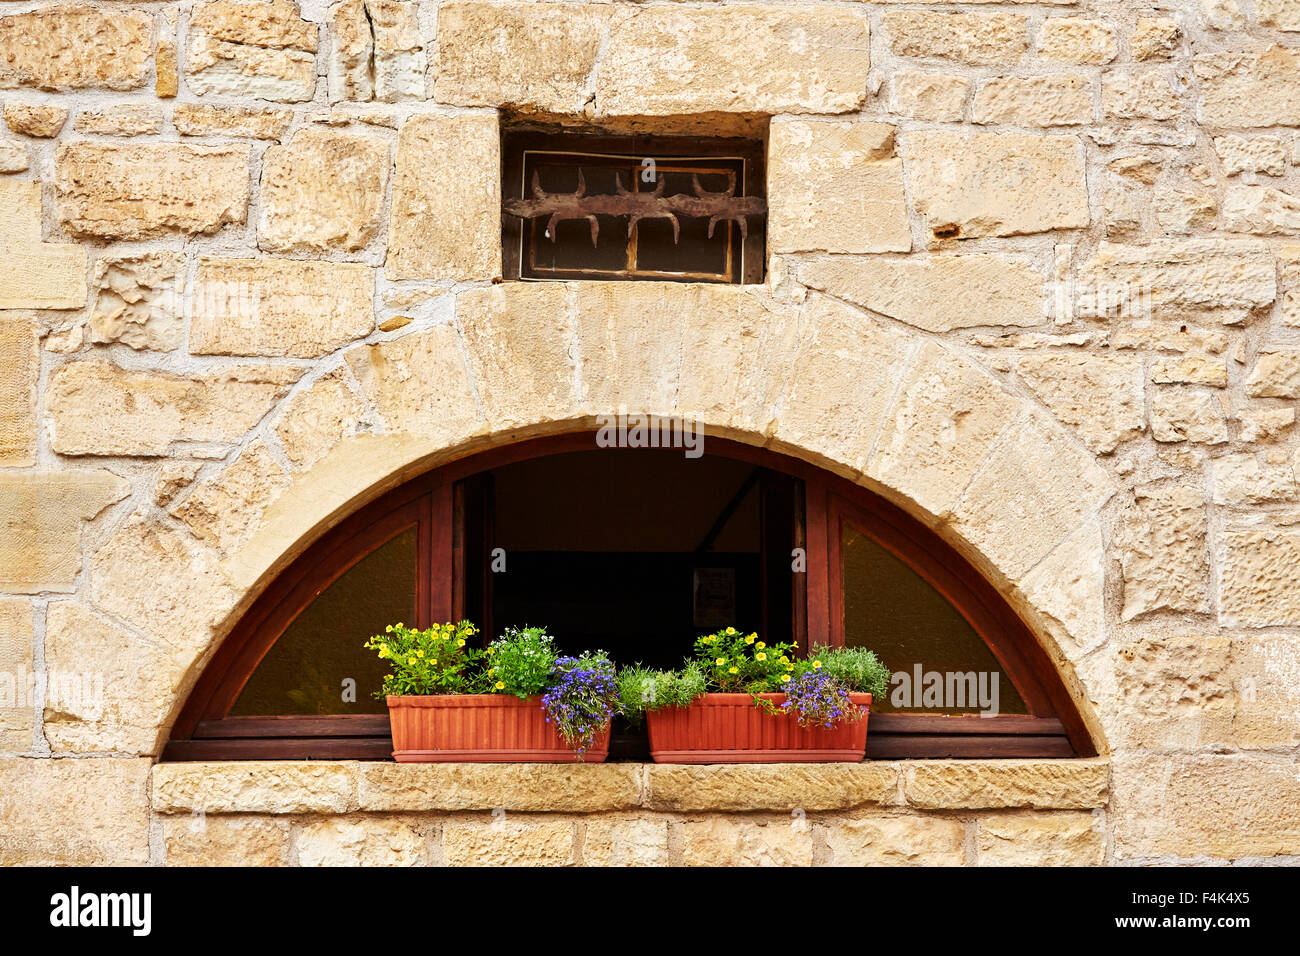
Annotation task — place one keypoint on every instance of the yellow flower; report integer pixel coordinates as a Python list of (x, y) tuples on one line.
[(817, 665), (760, 645), (720, 661), (434, 661), (411, 661), (786, 679), (492, 650), (490, 670), (501, 685), (733, 670), (731, 630), (461, 642), (761, 656), (419, 653), (750, 639), (383, 650)]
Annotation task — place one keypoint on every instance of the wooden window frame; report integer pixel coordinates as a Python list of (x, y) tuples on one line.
[(668, 149), (435, 504)]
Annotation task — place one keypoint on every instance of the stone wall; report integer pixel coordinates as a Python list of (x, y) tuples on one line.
[(1034, 273)]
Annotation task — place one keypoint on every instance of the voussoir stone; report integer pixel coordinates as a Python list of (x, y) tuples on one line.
[(525, 788), (67, 46), (279, 307), (224, 510), (1042, 784), (996, 184), (143, 191), (1099, 396), (782, 787)]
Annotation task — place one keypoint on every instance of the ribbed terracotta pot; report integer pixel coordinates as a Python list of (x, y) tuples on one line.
[(729, 728), (481, 728)]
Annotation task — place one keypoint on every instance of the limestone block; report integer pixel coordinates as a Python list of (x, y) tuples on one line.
[(19, 370), (258, 48), (975, 38), (71, 46), (138, 301), (913, 840), (1163, 553), (37, 275)]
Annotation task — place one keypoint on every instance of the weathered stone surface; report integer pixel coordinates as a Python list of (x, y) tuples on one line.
[(1190, 370), (835, 187), (1279, 14), (513, 840), (1222, 14), (40, 525), (75, 47), (1155, 38), (377, 52), (279, 307), (534, 55), (1187, 414), (1251, 154), (19, 369), (1055, 99), (1261, 210), (352, 49), (746, 841), (1077, 40), (1041, 839), (226, 509), (995, 184), (322, 191), (289, 786), (1249, 88), (138, 301), (1266, 665), (1223, 806), (1164, 558), (28, 119), (745, 58), (198, 119), (1146, 95), (912, 840), (1184, 210), (17, 674), (1266, 424), (67, 812), (1100, 396), (1175, 691), (261, 48), (783, 788), (1259, 574), (625, 840), (524, 788), (446, 218), (1041, 784), (975, 38), (1037, 487), (937, 293), (1068, 589), (143, 191), (13, 156), (360, 841), (1275, 375), (209, 840), (123, 119), (933, 97), (315, 420), (97, 408), (946, 418), (1251, 479), (37, 275), (166, 69)]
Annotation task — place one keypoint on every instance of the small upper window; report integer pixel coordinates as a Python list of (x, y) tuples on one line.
[(679, 209)]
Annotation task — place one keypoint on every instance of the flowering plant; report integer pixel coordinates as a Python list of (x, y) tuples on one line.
[(581, 698), (521, 662), (437, 660), (816, 699), (736, 662)]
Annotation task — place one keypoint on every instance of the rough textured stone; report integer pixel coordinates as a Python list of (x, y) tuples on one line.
[(1275, 375), (1190, 370), (143, 191), (17, 674), (509, 841), (1251, 154), (40, 516), (1057, 99), (360, 841), (625, 840), (446, 218), (526, 788), (225, 509), (376, 52), (995, 184), (1261, 210), (1250, 479), (13, 156), (97, 408), (209, 840), (1041, 784), (1155, 38), (28, 119), (1187, 414), (166, 69), (896, 841), (1100, 396), (747, 58), (975, 38), (1077, 40), (1146, 95), (315, 420), (260, 48), (322, 191), (19, 369), (37, 275), (732, 841), (1041, 839), (1175, 691), (1259, 574), (198, 119), (255, 787), (932, 97), (75, 47), (783, 788), (837, 187), (124, 119), (279, 307), (1164, 558), (1266, 666), (937, 293), (66, 812), (1249, 88), (138, 301)]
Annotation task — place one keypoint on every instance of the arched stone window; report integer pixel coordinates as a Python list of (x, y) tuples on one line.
[(635, 550)]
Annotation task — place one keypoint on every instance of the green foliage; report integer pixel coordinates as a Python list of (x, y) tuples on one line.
[(740, 663), (439, 660), (521, 663), (642, 688), (856, 668)]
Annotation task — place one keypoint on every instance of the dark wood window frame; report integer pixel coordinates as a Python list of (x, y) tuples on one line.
[(439, 505), (747, 155)]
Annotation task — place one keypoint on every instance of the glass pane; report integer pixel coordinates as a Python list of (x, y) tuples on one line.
[(572, 246), (304, 672), (940, 665)]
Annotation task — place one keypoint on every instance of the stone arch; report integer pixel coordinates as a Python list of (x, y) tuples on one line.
[(807, 375)]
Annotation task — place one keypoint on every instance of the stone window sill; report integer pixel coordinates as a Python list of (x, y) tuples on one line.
[(314, 787)]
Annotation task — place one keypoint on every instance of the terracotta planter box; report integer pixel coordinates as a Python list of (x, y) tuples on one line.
[(480, 728), (729, 728)]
